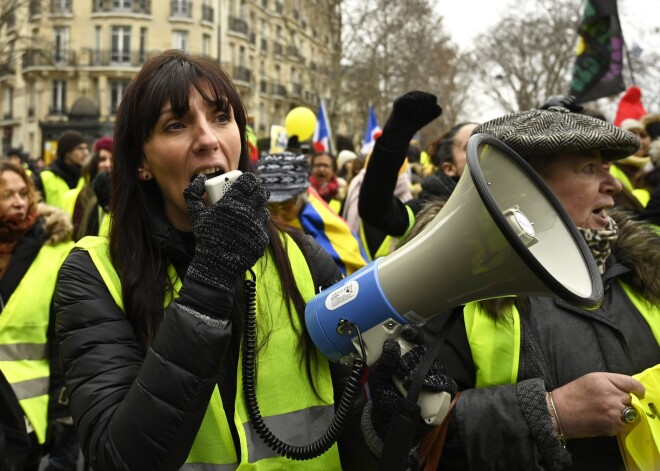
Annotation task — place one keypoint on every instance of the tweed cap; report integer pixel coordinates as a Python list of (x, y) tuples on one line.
[(556, 130), (285, 174)]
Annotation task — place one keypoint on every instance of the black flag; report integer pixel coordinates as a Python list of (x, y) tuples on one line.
[(597, 71)]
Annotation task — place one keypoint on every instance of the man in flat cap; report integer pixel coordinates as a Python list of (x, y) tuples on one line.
[(547, 385)]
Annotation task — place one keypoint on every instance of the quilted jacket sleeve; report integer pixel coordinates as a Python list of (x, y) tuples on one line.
[(133, 410)]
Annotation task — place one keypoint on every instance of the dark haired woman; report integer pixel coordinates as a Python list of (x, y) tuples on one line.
[(150, 319), (34, 239)]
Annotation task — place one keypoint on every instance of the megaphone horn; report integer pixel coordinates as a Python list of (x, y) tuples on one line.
[(501, 233)]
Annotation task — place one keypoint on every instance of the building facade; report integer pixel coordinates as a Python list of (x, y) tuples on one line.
[(66, 63)]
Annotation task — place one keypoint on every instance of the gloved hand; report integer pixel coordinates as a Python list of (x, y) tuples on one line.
[(231, 235), (410, 112), (565, 101), (385, 396)]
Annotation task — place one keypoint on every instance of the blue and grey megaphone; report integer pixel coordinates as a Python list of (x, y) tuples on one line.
[(501, 233)]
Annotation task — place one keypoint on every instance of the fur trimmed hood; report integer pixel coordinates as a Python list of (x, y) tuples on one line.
[(57, 224), (638, 247)]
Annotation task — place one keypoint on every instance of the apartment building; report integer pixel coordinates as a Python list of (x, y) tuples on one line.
[(66, 63)]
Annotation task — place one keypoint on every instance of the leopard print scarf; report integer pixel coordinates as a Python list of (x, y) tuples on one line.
[(600, 242)]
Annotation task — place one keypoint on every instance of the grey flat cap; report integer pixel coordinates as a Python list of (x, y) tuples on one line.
[(556, 130), (285, 174)]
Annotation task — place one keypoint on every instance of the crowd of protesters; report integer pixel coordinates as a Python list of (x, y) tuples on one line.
[(128, 298)]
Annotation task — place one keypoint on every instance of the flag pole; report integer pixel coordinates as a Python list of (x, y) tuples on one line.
[(331, 146), (630, 67)]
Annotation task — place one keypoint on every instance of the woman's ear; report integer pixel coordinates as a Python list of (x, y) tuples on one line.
[(449, 169)]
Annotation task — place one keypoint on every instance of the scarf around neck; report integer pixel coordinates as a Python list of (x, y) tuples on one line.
[(601, 241)]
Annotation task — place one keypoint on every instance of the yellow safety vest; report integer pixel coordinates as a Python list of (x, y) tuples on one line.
[(495, 346), (56, 189), (23, 335), (286, 400), (389, 243)]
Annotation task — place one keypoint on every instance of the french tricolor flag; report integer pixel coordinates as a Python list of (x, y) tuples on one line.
[(372, 133), (321, 137)]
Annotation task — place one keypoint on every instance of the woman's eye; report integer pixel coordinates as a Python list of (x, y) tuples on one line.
[(173, 126), (222, 118)]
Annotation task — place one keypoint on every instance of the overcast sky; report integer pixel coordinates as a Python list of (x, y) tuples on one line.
[(465, 19)]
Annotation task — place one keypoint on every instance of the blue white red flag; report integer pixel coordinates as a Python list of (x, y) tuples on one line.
[(372, 133), (321, 137)]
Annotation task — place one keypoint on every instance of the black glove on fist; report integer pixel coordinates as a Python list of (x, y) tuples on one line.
[(565, 101), (231, 235), (386, 397), (410, 112)]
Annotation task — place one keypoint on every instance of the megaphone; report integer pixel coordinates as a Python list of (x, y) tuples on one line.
[(501, 233)]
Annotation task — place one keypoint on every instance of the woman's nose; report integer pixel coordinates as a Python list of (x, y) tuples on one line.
[(610, 184), (205, 138)]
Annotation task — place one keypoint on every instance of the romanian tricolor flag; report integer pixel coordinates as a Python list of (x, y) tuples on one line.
[(332, 233)]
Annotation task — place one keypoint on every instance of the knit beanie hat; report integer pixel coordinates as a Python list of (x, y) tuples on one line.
[(630, 106), (68, 141), (103, 143)]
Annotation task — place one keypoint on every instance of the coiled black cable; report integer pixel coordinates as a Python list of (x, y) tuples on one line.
[(293, 452)]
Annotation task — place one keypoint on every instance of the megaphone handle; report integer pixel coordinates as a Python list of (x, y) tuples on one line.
[(433, 405)]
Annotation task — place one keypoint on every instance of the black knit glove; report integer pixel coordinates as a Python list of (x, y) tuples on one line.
[(565, 101), (385, 397), (231, 235), (410, 112)]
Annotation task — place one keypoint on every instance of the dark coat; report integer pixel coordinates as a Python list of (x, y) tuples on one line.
[(115, 387), (490, 427)]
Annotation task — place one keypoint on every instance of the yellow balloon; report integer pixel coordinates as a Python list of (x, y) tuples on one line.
[(300, 122)]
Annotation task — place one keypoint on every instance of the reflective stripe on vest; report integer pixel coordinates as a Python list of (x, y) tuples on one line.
[(55, 187), (495, 346), (286, 400), (23, 335)]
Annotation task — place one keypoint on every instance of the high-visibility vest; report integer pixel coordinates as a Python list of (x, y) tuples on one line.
[(23, 335), (495, 345), (55, 189), (389, 243), (286, 400)]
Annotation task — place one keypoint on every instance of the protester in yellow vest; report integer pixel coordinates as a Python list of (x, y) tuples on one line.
[(323, 177), (150, 319), (65, 172), (34, 239), (546, 385)]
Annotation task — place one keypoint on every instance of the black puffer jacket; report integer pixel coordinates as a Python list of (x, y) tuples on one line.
[(127, 416)]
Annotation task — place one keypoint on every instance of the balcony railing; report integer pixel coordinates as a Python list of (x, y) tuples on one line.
[(100, 58), (8, 115), (104, 6), (238, 25), (43, 58), (242, 74), (208, 13), (57, 110), (181, 8), (279, 90), (87, 57), (292, 51), (59, 7)]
